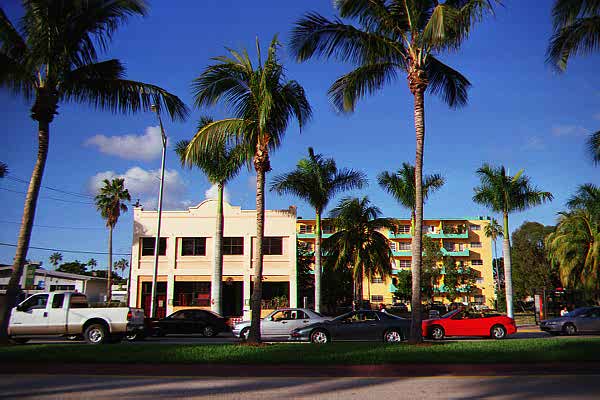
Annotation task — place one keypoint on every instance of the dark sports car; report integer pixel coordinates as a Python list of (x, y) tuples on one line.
[(203, 322), (584, 319), (355, 325)]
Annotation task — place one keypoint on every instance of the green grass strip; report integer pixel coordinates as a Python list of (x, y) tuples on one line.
[(479, 352)]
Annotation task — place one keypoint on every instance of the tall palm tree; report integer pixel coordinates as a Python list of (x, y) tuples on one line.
[(122, 265), (395, 37), (263, 103), (593, 147), (587, 197), (3, 169), (220, 164), (111, 203), (493, 230), (506, 194), (92, 263), (53, 58), (576, 26), (55, 259), (317, 180), (401, 185), (358, 243)]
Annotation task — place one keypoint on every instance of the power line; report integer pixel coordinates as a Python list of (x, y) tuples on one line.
[(67, 251), (49, 197), (21, 180), (52, 226)]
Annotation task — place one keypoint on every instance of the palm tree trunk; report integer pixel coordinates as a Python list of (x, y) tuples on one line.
[(255, 301), (507, 269), (416, 246), (217, 276), (31, 198), (318, 269), (109, 269)]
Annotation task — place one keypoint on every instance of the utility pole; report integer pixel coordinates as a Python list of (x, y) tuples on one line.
[(153, 304)]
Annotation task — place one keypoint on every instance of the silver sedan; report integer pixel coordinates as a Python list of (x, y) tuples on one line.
[(279, 323)]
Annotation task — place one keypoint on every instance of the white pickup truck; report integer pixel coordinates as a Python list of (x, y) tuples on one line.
[(68, 314)]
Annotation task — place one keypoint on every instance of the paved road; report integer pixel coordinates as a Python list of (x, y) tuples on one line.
[(428, 388)]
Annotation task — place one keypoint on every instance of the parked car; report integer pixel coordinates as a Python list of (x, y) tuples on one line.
[(68, 314), (355, 325), (189, 321), (461, 322), (279, 323), (584, 319)]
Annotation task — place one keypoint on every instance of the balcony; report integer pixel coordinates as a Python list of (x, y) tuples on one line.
[(451, 253), (433, 235), (312, 235), (401, 253)]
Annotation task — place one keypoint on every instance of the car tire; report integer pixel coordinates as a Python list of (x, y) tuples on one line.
[(19, 340), (393, 336), (209, 331), (319, 336), (436, 332), (569, 329), (244, 334), (96, 334), (498, 332), (73, 337)]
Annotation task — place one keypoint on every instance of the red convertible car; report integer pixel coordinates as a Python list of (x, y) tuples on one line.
[(463, 323)]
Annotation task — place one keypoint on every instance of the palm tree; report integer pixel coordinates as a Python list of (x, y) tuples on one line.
[(317, 180), (395, 37), (111, 203), (401, 185), (53, 58), (493, 230), (593, 146), (263, 103), (92, 264), (576, 26), (357, 243), (122, 265), (55, 259), (575, 245), (220, 164), (3, 169), (506, 194)]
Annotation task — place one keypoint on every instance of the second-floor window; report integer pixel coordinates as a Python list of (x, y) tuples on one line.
[(306, 229), (474, 227), (404, 263), (233, 246), (148, 246), (272, 245), (404, 229), (449, 246), (476, 262), (475, 245), (193, 246), (403, 246)]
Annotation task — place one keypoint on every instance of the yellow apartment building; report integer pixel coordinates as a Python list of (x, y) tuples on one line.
[(460, 238), (186, 252)]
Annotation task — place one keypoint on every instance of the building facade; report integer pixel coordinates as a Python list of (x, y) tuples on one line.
[(186, 257), (463, 239)]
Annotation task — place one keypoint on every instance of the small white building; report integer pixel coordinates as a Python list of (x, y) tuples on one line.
[(36, 279)]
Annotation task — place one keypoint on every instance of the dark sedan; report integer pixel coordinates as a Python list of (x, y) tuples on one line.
[(584, 319), (203, 322), (355, 325)]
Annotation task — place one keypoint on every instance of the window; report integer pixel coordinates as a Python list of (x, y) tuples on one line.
[(195, 246), (449, 246), (404, 263), (148, 246), (306, 229), (404, 229), (461, 247), (233, 246), (78, 301), (376, 280), (474, 227), (476, 262), (191, 294), (377, 298), (403, 246), (35, 302), (54, 288), (393, 246), (475, 245), (429, 229), (272, 245), (57, 300), (327, 229), (480, 281)]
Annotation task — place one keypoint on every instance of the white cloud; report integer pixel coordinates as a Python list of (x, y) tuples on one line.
[(569, 130), (213, 192), (145, 147), (143, 184), (535, 143)]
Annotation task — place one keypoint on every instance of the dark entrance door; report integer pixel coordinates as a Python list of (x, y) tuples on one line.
[(161, 298), (233, 297)]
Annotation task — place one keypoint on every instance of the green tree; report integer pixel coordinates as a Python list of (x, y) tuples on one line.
[(121, 265), (507, 194), (304, 272), (92, 263), (593, 146), (220, 163), (430, 273), (395, 38), (3, 169), (263, 103), (575, 244), (110, 201), (532, 271), (317, 180), (357, 243), (576, 25), (493, 230), (73, 267), (52, 58), (459, 280), (55, 259)]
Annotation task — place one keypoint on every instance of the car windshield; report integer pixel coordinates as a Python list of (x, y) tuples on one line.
[(577, 312), (450, 314)]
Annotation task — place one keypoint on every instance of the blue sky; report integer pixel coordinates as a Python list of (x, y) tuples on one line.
[(520, 113)]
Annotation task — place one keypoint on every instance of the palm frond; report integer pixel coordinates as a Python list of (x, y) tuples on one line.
[(447, 83), (593, 147), (580, 37)]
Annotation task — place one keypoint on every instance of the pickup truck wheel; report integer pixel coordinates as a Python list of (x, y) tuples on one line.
[(96, 334), (73, 337)]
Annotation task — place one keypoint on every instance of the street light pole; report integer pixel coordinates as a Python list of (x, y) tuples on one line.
[(153, 304)]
